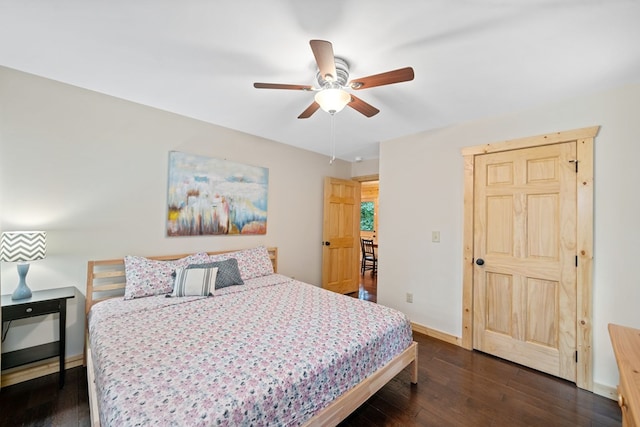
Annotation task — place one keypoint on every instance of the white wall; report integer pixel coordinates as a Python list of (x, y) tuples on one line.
[(365, 168), (91, 170), (421, 190)]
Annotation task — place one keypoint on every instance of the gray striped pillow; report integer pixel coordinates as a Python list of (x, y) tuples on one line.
[(194, 281)]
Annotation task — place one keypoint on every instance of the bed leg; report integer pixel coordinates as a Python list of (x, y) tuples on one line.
[(414, 364)]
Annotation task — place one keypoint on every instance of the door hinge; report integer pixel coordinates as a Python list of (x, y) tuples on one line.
[(576, 356), (576, 163), (576, 260)]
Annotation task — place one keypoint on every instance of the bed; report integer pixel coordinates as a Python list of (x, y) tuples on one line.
[(269, 351)]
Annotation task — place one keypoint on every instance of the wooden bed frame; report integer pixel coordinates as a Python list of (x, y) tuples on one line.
[(106, 279)]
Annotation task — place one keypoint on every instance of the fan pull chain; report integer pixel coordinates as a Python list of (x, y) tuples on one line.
[(333, 139)]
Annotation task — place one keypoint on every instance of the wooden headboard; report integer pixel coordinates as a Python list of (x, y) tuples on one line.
[(106, 279)]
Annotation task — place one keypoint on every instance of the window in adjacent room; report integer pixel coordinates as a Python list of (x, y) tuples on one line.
[(367, 216)]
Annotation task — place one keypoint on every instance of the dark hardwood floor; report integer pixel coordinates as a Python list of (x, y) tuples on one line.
[(456, 388), (368, 287), (39, 402)]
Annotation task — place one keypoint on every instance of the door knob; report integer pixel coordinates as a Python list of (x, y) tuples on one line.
[(480, 261)]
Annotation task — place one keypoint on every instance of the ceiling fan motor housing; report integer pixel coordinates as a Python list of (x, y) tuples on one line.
[(342, 71)]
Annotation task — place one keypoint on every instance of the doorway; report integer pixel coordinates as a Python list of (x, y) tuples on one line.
[(477, 304), (341, 260), (369, 191), (369, 204)]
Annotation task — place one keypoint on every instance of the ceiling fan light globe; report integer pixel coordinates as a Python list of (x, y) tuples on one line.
[(332, 100)]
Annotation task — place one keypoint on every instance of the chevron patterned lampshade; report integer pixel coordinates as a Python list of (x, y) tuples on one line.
[(22, 247)]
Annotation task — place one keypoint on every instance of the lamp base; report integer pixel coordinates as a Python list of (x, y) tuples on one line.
[(22, 291)]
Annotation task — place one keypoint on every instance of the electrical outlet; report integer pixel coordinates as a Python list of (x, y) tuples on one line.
[(409, 297), (435, 236)]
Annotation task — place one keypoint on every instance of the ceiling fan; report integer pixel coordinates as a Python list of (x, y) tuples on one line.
[(333, 80)]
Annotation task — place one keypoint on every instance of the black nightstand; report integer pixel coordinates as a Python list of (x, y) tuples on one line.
[(41, 302)]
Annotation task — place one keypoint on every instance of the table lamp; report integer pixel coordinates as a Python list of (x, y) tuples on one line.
[(21, 247)]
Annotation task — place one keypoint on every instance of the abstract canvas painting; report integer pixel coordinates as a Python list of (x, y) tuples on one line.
[(209, 196)]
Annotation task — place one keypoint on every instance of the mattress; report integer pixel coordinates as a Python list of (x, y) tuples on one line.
[(274, 351)]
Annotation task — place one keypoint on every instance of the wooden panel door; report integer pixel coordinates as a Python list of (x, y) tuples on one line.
[(341, 235), (524, 251)]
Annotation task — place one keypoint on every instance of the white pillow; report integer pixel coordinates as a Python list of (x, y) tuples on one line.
[(194, 281)]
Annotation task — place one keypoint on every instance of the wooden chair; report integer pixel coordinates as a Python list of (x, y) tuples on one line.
[(369, 258)]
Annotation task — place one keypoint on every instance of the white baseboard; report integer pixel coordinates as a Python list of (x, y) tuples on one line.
[(38, 369)]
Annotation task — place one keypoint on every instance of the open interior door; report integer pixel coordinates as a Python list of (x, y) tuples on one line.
[(341, 235)]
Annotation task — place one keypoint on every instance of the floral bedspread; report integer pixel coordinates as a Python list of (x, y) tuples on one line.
[(274, 351)]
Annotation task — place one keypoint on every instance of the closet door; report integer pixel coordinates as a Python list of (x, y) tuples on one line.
[(525, 257)]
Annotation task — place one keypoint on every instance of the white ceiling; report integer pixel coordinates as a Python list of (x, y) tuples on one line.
[(472, 58)]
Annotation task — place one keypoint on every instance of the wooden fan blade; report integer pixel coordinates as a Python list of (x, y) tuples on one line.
[(363, 107), (309, 111), (395, 76), (323, 51), (281, 86)]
